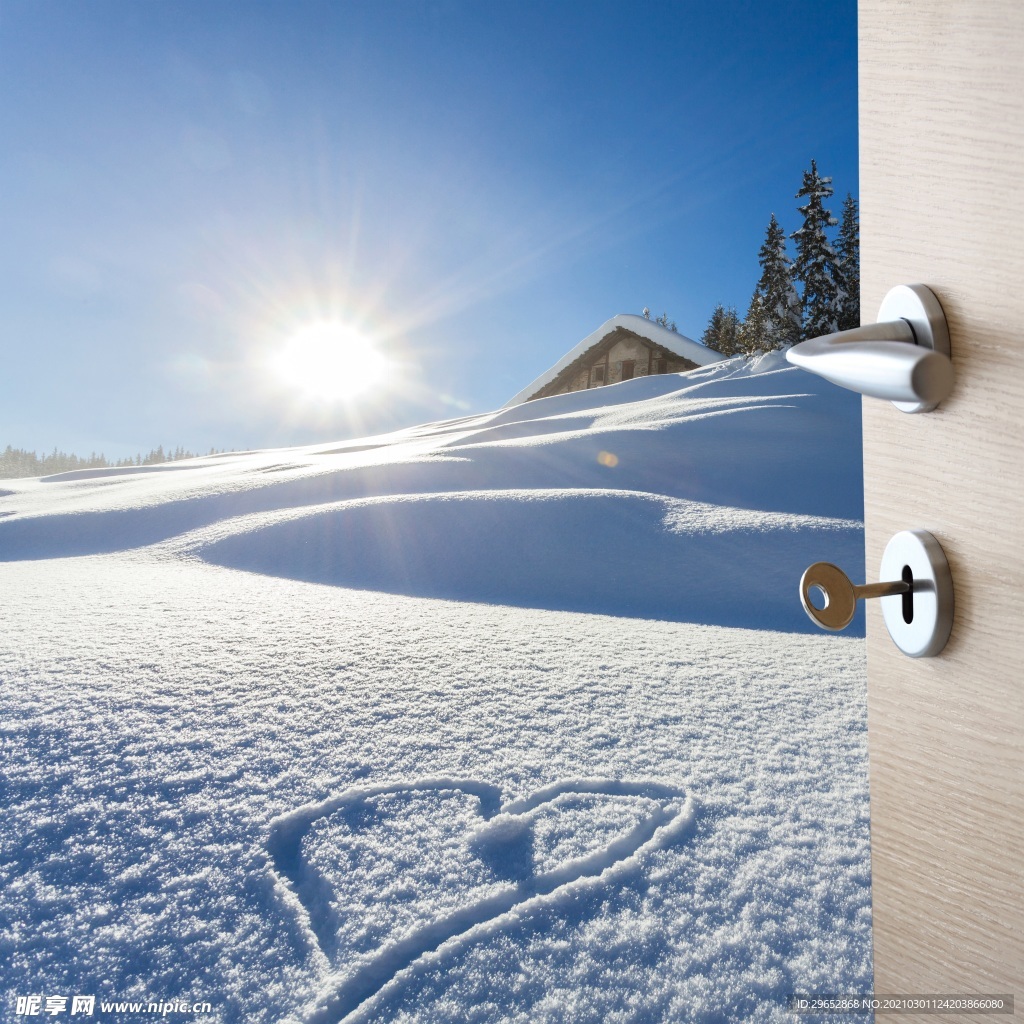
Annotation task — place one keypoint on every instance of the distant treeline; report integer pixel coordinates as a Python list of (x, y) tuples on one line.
[(16, 462)]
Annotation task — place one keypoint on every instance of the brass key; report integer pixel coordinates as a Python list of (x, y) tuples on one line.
[(840, 595)]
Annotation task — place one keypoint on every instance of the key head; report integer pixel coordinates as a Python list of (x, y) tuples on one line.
[(832, 587)]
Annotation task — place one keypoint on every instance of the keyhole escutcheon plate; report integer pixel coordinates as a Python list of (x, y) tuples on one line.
[(916, 555)]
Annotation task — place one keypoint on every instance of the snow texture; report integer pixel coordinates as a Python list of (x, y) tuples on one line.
[(508, 718)]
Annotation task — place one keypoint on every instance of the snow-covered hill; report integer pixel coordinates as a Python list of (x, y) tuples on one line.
[(512, 717)]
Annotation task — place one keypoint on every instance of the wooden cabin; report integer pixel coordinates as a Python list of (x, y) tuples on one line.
[(622, 348)]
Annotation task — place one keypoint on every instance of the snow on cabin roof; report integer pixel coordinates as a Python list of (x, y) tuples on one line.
[(678, 344)]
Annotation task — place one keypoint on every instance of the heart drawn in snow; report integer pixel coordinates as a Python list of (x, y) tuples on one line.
[(393, 878)]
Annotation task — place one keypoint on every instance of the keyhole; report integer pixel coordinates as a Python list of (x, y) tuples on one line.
[(818, 596), (908, 597)]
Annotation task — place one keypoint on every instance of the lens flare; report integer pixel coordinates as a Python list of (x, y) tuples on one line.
[(329, 360)]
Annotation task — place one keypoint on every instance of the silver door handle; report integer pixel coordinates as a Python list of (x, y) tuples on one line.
[(903, 358)]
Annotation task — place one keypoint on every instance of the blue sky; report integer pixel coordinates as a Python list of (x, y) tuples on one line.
[(474, 186)]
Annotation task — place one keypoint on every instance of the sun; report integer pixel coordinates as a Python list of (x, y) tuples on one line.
[(329, 360)]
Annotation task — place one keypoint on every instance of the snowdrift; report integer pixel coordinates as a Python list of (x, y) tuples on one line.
[(698, 497)]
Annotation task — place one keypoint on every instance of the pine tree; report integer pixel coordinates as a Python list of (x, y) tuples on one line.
[(712, 333), (848, 254), (753, 332), (815, 264), (722, 331), (731, 333), (779, 302)]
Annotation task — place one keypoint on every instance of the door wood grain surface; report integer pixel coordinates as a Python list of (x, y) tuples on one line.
[(942, 203)]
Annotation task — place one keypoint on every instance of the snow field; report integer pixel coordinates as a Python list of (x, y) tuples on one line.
[(230, 775)]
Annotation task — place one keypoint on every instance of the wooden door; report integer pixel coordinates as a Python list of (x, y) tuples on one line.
[(942, 203)]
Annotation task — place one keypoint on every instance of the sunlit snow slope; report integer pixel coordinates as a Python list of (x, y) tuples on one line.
[(695, 498), (612, 774)]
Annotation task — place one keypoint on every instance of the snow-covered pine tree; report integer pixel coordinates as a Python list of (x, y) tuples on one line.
[(753, 332), (815, 263), (722, 331), (713, 332), (780, 304), (731, 333), (848, 259)]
